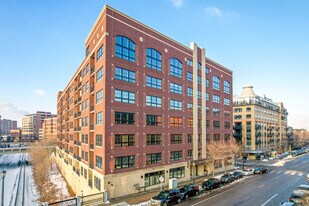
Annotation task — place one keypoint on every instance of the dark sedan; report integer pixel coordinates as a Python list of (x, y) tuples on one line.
[(227, 178), (189, 190), (260, 170), (237, 175), (211, 183)]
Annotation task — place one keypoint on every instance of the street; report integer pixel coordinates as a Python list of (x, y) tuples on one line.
[(260, 190)]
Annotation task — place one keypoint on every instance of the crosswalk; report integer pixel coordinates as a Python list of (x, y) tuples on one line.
[(291, 172)]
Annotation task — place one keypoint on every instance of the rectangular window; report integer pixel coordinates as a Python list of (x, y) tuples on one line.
[(97, 183), (190, 138), (189, 92), (227, 101), (86, 156), (199, 95), (177, 172), (216, 137), (153, 82), (99, 96), (99, 75), (176, 105), (124, 96), (175, 121), (98, 140), (155, 158), (100, 53), (99, 118), (216, 112), (125, 75), (175, 88), (189, 106), (176, 138), (216, 124), (154, 139), (216, 98), (176, 155), (199, 79), (124, 140), (153, 178), (227, 125), (98, 162), (124, 118), (153, 101), (153, 120), (189, 76), (87, 51), (190, 153), (124, 162), (190, 122), (207, 82), (189, 62), (207, 96)]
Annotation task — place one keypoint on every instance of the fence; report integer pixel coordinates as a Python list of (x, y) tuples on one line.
[(89, 200)]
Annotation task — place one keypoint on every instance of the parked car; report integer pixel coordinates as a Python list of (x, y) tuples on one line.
[(248, 172), (211, 183), (260, 170), (187, 191), (303, 188), (167, 197), (227, 178), (297, 197), (287, 203), (237, 175)]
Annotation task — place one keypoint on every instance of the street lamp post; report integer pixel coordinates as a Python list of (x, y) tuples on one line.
[(2, 175)]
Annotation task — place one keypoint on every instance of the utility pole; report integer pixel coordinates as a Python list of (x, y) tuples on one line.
[(2, 175)]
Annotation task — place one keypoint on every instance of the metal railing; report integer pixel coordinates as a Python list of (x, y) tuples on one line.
[(69, 202)]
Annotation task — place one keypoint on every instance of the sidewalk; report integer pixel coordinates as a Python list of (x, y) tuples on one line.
[(144, 196)]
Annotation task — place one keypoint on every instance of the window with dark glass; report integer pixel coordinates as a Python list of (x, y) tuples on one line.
[(199, 66), (216, 124), (216, 111), (153, 82), (190, 138), (175, 67), (155, 158), (124, 140), (125, 75), (125, 48), (227, 125), (176, 138), (175, 122), (98, 162), (176, 88), (153, 178), (124, 118), (154, 139), (153, 120), (176, 155), (124, 162), (99, 96), (99, 75), (124, 96), (190, 153), (100, 52), (216, 83), (216, 137), (177, 172), (98, 140), (87, 51), (99, 118), (97, 183), (153, 59), (199, 79)]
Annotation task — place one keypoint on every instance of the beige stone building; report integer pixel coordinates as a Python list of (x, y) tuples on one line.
[(49, 128), (260, 124)]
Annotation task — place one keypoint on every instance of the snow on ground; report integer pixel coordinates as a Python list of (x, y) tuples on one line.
[(61, 185)]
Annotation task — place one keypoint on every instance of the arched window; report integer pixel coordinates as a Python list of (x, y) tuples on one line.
[(175, 67), (125, 48), (153, 59), (216, 83), (227, 87)]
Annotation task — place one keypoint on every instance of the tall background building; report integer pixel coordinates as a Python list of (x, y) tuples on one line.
[(140, 106), (32, 123), (6, 125), (259, 123), (49, 128)]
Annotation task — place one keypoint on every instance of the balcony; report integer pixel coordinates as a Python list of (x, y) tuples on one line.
[(92, 127), (79, 114), (91, 108), (237, 127), (257, 127), (79, 143), (90, 183), (91, 165), (92, 71), (92, 89), (79, 85), (79, 129), (92, 146), (78, 158), (237, 135), (75, 142), (79, 99)]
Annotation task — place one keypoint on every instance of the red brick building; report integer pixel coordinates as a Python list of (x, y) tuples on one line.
[(139, 107)]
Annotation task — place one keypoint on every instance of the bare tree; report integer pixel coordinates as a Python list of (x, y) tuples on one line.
[(215, 152)]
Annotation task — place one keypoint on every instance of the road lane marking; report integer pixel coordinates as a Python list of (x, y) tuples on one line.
[(279, 172), (225, 191), (293, 173), (261, 186), (287, 172), (272, 171), (300, 174), (269, 199)]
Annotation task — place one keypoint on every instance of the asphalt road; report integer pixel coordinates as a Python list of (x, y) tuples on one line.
[(259, 190)]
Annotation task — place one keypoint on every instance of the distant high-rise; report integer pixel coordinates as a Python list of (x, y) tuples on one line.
[(49, 128), (6, 125), (32, 123)]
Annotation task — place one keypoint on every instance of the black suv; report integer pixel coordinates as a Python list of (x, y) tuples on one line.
[(167, 197), (227, 178), (189, 190), (211, 183)]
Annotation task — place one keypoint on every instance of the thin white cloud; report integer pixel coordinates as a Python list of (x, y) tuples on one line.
[(219, 13), (39, 92), (10, 111), (177, 3), (214, 11)]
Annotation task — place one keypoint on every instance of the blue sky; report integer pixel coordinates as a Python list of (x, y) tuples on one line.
[(265, 43)]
